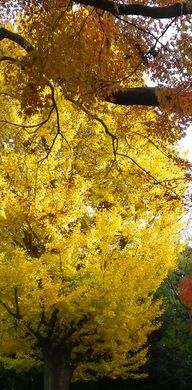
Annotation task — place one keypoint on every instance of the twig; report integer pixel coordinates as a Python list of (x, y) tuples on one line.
[(38, 125), (15, 315), (58, 125), (16, 302), (96, 118), (148, 173)]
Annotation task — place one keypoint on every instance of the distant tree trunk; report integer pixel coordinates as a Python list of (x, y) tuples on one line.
[(57, 369)]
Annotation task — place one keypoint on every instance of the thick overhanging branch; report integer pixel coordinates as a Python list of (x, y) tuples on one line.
[(172, 100), (144, 96), (14, 37), (7, 58), (118, 9)]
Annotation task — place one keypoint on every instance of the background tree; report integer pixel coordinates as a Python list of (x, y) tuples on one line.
[(171, 346), (184, 285)]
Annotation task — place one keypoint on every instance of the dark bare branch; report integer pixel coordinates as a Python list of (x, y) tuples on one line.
[(7, 58), (144, 96), (14, 37), (118, 8)]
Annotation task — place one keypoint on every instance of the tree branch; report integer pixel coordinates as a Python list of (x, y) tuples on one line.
[(96, 118), (16, 302), (37, 125), (156, 181), (117, 9), (144, 96), (52, 323), (14, 37), (7, 58), (18, 316), (15, 315)]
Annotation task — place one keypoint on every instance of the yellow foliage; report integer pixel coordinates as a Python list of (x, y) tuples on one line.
[(90, 196), (88, 232)]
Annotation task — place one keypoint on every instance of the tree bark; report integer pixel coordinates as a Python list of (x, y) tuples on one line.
[(120, 9), (14, 37), (169, 99), (144, 96), (57, 369)]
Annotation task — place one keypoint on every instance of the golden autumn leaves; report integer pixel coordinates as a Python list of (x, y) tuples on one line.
[(91, 196), (85, 233)]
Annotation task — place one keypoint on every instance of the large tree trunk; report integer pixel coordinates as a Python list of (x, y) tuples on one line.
[(57, 369)]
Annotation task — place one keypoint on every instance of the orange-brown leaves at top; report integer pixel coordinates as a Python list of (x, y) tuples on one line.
[(82, 50), (185, 293)]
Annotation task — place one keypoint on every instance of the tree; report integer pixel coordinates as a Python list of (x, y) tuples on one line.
[(184, 285), (91, 195), (82, 253), (171, 346)]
